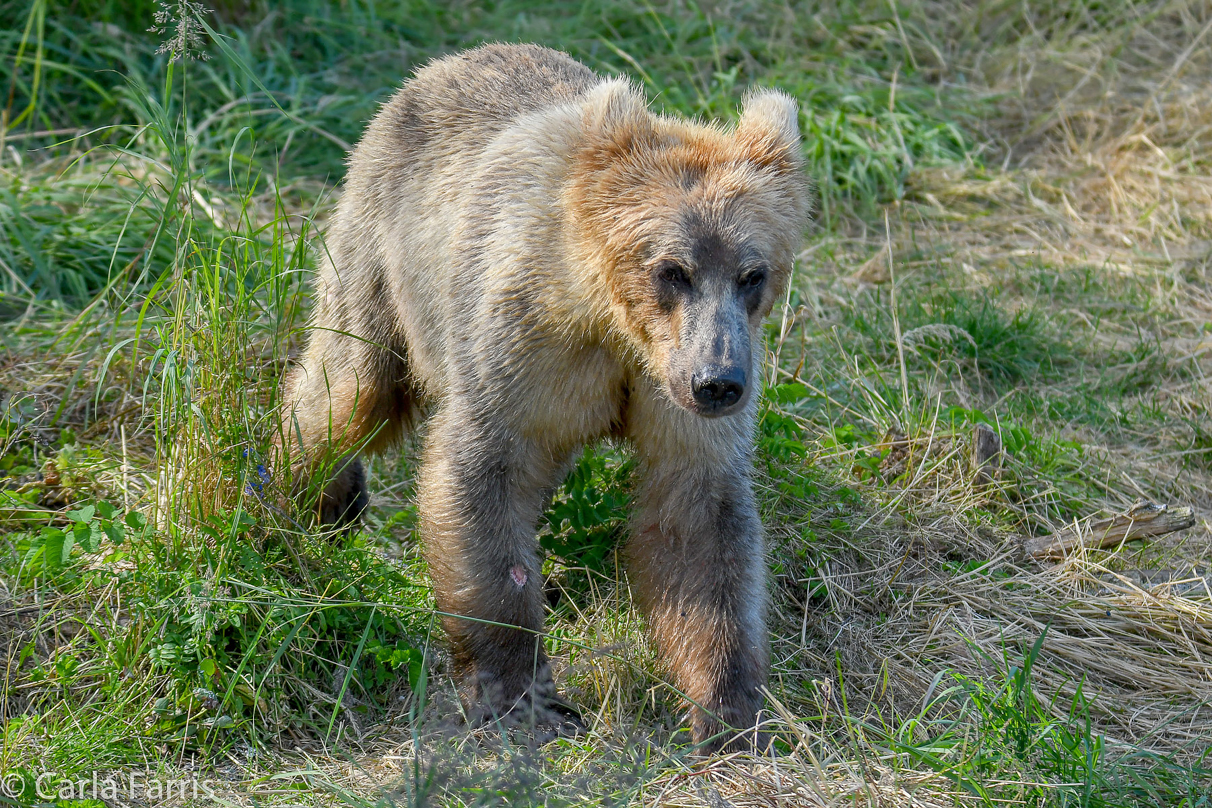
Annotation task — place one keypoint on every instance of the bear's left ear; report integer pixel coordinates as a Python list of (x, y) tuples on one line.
[(770, 128)]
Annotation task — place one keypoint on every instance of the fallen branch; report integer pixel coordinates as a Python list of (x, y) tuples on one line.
[(1143, 520)]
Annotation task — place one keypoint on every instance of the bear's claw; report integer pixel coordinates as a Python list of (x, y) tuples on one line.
[(548, 719)]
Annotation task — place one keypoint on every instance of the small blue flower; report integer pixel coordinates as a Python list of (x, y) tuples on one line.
[(263, 474)]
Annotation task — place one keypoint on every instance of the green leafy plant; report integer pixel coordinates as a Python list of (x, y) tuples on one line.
[(590, 511)]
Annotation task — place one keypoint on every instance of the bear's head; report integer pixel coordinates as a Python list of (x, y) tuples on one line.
[(690, 231)]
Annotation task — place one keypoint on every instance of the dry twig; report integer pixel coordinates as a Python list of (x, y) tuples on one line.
[(1143, 520)]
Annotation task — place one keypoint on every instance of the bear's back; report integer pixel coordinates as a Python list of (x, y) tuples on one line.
[(408, 181), (470, 96)]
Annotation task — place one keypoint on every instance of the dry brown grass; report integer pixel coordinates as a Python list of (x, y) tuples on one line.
[(1110, 171)]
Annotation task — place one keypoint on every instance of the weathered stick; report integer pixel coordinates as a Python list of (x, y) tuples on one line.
[(1143, 520), (986, 453)]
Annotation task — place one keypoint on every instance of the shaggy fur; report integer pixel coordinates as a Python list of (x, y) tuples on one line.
[(526, 251)]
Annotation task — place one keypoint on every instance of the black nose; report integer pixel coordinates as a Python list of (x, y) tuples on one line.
[(716, 388)]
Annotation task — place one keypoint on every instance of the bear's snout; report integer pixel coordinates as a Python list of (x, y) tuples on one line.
[(717, 389)]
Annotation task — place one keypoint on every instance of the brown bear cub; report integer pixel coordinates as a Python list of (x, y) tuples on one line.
[(527, 253)]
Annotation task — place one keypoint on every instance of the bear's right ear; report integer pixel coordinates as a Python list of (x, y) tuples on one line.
[(616, 117)]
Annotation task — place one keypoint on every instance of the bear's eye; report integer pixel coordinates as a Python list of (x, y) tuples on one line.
[(673, 274), (753, 280)]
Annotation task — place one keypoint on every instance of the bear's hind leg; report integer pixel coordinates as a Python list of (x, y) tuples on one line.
[(345, 497), (346, 397)]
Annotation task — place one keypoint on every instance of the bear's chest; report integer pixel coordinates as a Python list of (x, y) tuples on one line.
[(564, 398)]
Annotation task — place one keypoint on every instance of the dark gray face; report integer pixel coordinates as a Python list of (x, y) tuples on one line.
[(714, 295)]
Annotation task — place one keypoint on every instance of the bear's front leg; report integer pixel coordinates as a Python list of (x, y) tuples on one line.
[(480, 501), (696, 560)]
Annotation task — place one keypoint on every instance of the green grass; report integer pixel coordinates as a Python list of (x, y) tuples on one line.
[(160, 604), (288, 97), (1048, 742)]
